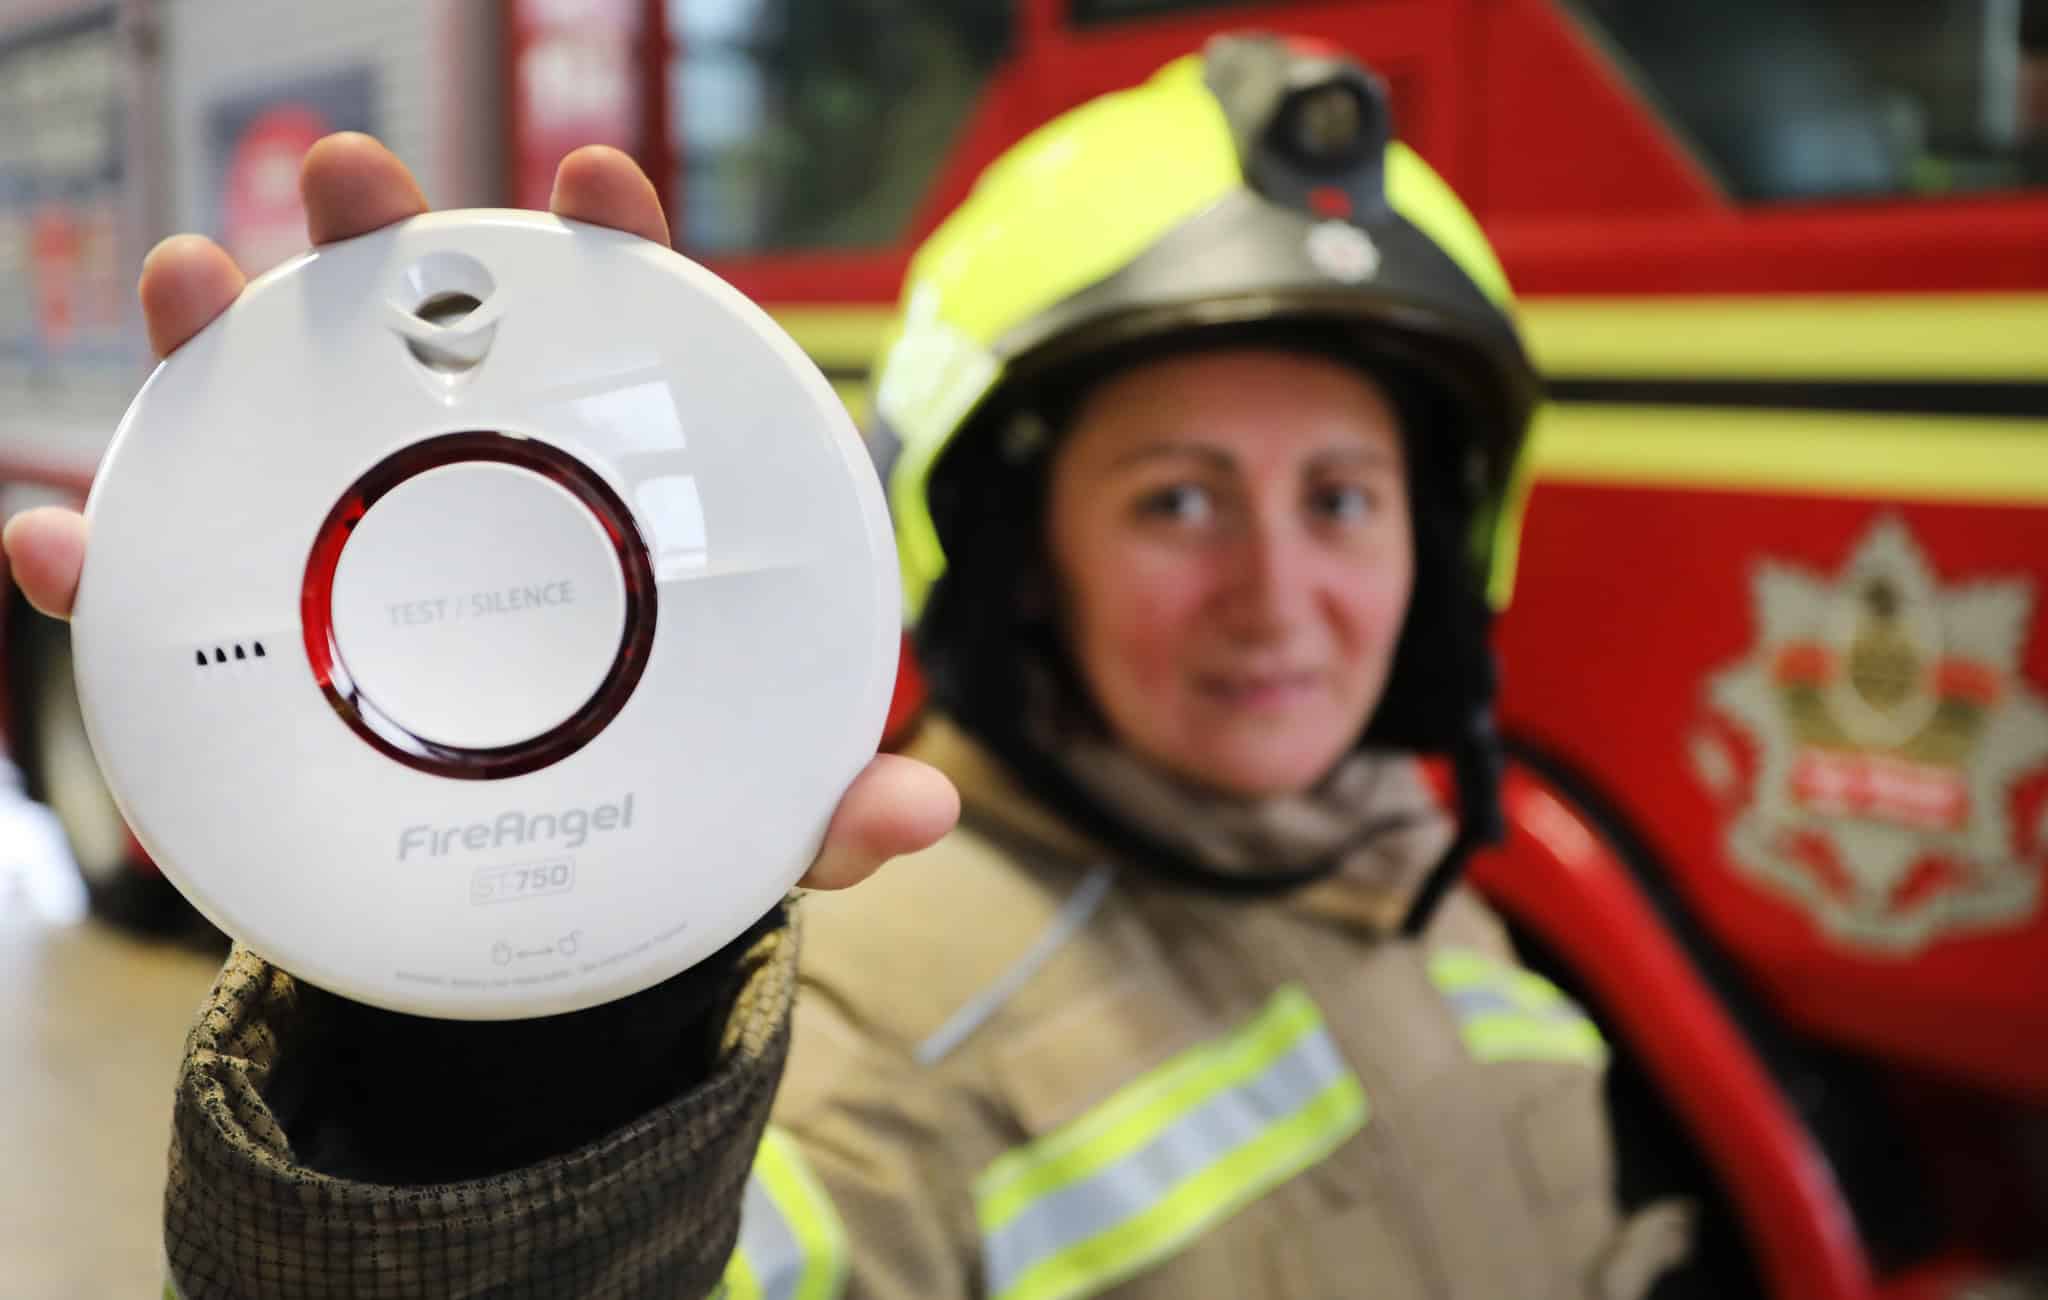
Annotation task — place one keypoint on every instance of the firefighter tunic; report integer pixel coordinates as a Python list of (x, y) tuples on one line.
[(1017, 1070)]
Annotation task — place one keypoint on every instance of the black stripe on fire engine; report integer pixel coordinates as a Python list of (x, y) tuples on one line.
[(2001, 399), (2005, 399)]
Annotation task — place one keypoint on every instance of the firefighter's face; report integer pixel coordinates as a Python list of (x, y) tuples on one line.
[(1230, 537)]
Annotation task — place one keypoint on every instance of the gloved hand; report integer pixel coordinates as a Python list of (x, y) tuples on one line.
[(404, 1100)]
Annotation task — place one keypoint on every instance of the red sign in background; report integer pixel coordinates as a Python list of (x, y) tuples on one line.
[(263, 220), (578, 74)]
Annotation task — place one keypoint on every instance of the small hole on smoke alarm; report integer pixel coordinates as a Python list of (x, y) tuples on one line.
[(220, 656), (200, 655), (259, 650), (446, 285), (447, 308), (239, 654)]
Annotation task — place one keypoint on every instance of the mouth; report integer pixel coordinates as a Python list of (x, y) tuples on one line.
[(1262, 691)]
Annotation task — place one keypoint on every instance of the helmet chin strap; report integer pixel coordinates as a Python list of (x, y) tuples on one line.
[(1477, 763)]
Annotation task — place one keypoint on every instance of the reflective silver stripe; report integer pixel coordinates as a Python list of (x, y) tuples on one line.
[(791, 1243), (770, 1244), (1482, 1000), (1073, 914), (1190, 1145)]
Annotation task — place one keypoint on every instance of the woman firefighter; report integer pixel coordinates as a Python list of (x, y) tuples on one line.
[(1201, 420)]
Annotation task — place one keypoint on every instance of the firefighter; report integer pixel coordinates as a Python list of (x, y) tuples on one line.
[(1201, 420)]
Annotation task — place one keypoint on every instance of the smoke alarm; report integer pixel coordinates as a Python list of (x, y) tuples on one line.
[(483, 617)]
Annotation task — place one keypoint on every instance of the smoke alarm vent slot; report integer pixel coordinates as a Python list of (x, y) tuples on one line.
[(447, 308), (444, 311)]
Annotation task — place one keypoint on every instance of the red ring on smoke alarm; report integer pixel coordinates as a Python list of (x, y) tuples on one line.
[(316, 607)]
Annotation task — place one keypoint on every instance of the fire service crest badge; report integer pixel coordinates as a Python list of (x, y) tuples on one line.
[(1886, 733)]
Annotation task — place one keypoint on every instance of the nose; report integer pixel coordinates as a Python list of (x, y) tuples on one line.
[(1269, 583)]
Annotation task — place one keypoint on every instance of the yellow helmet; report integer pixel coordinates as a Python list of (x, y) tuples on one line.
[(1252, 183)]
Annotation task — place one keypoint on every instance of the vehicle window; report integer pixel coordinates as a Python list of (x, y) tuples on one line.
[(1815, 99), (1094, 13), (819, 124)]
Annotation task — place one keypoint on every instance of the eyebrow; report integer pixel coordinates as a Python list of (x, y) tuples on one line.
[(1370, 457), (1168, 450)]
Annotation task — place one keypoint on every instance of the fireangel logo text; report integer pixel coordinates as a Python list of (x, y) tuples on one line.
[(571, 828)]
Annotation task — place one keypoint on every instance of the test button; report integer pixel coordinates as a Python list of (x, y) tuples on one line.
[(478, 605)]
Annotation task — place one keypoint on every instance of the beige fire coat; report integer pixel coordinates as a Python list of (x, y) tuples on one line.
[(1016, 1070)]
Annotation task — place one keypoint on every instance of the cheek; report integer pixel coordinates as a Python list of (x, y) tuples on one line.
[(1366, 608), (1136, 617), (1378, 605)]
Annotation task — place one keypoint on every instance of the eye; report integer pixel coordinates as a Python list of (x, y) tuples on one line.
[(1181, 503), (1343, 502)]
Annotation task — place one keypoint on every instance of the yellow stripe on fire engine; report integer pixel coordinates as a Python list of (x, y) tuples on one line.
[(1836, 337), (1931, 458), (1918, 457), (838, 338)]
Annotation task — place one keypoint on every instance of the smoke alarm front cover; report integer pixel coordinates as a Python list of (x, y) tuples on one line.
[(483, 617)]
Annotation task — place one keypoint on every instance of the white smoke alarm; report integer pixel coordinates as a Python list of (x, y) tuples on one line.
[(483, 617)]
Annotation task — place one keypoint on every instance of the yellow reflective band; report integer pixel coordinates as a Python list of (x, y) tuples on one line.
[(1173, 1153), (1510, 1037), (792, 1245), (1457, 971), (1533, 992), (1506, 1013), (1837, 336), (1138, 1113), (1301, 1141), (1451, 969), (1929, 458), (739, 1282)]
